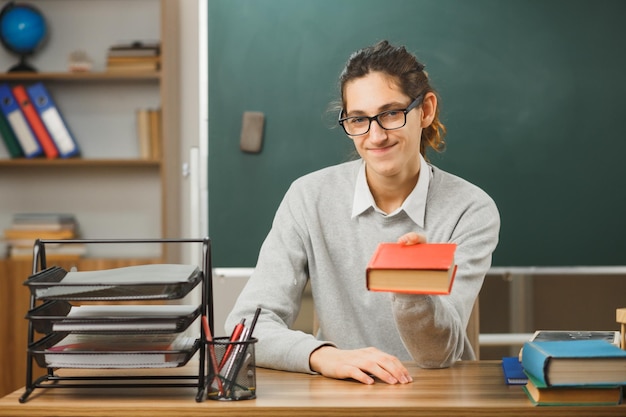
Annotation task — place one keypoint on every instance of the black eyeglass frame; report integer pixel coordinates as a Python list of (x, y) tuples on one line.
[(415, 103)]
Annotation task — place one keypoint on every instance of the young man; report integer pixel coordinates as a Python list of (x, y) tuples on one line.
[(330, 222)]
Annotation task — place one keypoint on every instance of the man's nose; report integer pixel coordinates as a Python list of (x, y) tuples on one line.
[(377, 133)]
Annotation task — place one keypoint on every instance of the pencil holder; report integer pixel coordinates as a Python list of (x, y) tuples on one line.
[(235, 378)]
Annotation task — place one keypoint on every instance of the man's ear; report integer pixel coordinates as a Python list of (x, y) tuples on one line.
[(429, 109)]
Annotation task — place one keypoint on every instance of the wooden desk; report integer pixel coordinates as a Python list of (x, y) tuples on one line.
[(466, 389)]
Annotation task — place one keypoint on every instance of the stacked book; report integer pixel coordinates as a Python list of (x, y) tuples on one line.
[(574, 372), (135, 56), (28, 227), (31, 124)]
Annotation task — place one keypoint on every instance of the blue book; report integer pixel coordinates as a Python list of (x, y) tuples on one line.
[(16, 119), (513, 371), (52, 120), (574, 362)]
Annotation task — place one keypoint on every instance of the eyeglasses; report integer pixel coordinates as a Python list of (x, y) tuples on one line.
[(388, 120)]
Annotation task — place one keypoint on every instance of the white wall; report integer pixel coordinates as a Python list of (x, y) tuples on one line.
[(193, 118), (227, 282)]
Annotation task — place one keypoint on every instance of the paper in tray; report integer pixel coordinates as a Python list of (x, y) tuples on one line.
[(61, 316), (140, 282), (62, 350)]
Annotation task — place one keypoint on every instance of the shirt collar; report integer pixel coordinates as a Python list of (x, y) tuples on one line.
[(414, 205)]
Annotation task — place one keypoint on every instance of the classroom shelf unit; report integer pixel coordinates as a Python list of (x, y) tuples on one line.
[(100, 108)]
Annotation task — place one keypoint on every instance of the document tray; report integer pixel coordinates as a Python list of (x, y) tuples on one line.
[(113, 319), (45, 355), (142, 282), (118, 330)]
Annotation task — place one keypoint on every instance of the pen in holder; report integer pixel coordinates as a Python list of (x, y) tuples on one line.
[(236, 378)]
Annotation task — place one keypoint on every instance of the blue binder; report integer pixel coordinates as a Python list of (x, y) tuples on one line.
[(24, 134), (52, 119)]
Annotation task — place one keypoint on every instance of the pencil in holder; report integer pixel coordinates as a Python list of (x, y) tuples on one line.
[(235, 378)]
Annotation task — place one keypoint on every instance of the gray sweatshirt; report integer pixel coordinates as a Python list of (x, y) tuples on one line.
[(315, 237)]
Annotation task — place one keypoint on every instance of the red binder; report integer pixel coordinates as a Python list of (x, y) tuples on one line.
[(35, 122)]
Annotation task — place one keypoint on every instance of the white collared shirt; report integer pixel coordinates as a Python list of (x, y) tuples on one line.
[(414, 205)]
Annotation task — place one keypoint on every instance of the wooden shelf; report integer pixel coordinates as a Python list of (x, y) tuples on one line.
[(78, 162), (82, 76)]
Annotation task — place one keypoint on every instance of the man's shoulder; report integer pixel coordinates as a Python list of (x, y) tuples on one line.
[(452, 184), (332, 175)]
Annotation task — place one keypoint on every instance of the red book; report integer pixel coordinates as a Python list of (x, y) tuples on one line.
[(35, 122), (424, 268)]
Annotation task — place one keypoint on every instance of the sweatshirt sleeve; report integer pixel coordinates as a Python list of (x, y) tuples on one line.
[(276, 286), (433, 327)]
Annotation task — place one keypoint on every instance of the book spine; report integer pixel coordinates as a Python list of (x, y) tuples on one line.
[(37, 126), (143, 133), (25, 136), (155, 133), (53, 121), (535, 362), (9, 139)]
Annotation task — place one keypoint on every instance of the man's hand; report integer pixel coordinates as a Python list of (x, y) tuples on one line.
[(412, 238), (359, 364)]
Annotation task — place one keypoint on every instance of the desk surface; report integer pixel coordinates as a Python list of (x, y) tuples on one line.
[(466, 389)]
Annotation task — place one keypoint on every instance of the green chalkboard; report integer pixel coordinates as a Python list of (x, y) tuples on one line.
[(533, 94)]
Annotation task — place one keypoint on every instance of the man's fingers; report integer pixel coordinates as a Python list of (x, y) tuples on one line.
[(385, 367), (358, 375), (393, 371), (412, 238)]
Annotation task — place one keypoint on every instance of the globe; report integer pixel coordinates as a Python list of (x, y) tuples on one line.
[(23, 31)]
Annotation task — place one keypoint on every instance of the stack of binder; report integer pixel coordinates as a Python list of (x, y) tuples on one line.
[(31, 124)]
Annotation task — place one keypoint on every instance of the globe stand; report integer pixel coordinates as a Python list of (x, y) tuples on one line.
[(22, 66)]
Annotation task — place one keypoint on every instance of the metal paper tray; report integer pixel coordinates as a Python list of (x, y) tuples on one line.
[(48, 285), (54, 313), (94, 359)]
